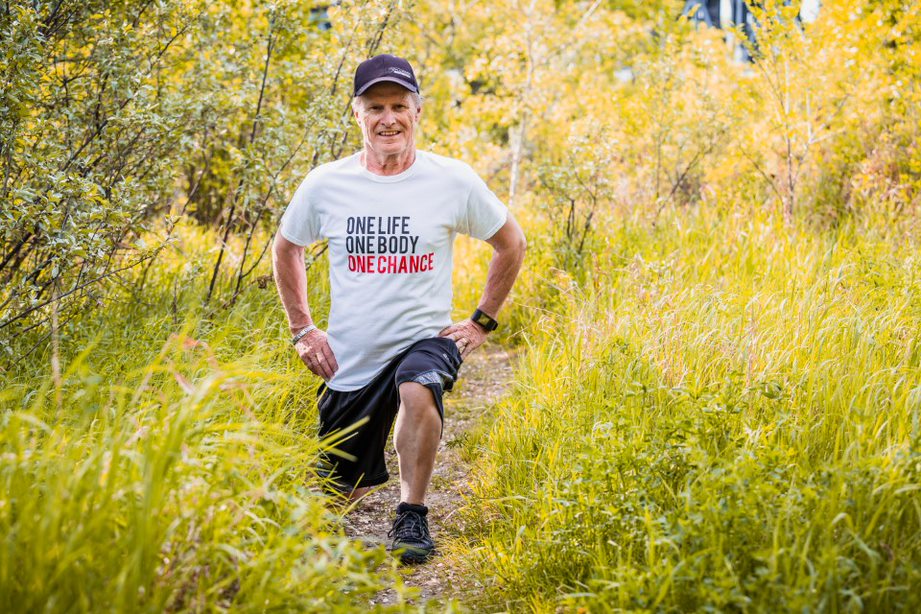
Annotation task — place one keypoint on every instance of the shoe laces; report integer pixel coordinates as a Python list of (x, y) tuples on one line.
[(409, 525)]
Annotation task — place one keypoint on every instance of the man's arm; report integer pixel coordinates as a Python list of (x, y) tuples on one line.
[(508, 245), (291, 281)]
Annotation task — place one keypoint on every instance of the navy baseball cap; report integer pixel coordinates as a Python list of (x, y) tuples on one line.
[(385, 67)]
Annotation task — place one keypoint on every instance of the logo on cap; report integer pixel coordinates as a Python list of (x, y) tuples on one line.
[(401, 72)]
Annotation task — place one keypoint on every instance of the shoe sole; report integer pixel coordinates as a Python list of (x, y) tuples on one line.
[(413, 556)]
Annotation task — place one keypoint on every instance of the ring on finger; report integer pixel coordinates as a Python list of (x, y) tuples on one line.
[(319, 356)]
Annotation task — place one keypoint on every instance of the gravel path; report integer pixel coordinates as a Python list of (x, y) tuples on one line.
[(484, 378)]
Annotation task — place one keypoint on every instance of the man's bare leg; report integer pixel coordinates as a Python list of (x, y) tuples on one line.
[(358, 493), (416, 437)]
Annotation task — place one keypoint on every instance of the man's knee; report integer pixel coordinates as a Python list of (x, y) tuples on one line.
[(416, 397)]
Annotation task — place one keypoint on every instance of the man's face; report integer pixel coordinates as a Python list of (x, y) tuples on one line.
[(388, 116)]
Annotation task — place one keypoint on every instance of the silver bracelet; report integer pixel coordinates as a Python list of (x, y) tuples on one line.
[(301, 333)]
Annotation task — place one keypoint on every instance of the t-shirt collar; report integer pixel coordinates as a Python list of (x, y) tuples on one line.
[(409, 172)]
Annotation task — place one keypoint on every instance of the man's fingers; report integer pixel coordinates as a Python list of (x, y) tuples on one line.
[(330, 359), (468, 342), (317, 355), (321, 367), (315, 366), (325, 372), (467, 335), (327, 360), (318, 366), (468, 347)]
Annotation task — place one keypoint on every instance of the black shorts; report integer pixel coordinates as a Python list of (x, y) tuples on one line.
[(357, 422)]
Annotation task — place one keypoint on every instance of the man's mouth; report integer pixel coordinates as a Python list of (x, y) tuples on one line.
[(389, 132)]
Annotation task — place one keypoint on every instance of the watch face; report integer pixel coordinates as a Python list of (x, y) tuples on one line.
[(484, 320)]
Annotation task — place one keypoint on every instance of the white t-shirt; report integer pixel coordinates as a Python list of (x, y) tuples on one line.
[(391, 241)]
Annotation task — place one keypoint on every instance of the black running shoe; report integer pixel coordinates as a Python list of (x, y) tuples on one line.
[(410, 534)]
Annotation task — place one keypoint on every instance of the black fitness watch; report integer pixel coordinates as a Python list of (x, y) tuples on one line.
[(485, 320)]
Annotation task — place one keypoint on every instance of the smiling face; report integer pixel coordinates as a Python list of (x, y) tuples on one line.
[(388, 115)]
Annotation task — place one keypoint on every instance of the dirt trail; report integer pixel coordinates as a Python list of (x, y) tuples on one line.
[(484, 378)]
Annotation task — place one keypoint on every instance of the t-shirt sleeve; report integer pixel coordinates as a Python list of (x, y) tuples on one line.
[(484, 213), (300, 223)]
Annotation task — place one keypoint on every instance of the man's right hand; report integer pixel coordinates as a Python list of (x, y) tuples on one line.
[(314, 350)]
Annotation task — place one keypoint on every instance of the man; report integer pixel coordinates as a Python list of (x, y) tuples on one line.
[(390, 213)]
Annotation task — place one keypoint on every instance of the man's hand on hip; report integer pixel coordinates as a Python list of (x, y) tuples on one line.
[(467, 334), (314, 350)]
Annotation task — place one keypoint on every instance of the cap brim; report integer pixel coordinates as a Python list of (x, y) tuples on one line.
[(412, 88)]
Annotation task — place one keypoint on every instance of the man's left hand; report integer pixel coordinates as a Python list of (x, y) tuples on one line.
[(467, 334)]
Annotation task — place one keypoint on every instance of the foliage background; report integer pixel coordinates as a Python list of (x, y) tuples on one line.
[(718, 394)]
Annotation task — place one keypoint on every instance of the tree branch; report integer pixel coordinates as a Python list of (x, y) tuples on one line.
[(73, 290)]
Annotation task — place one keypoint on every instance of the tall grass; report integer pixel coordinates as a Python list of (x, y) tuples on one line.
[(716, 412), (170, 468), (724, 415)]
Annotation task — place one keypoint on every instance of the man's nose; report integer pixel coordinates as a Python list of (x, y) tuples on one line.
[(388, 116)]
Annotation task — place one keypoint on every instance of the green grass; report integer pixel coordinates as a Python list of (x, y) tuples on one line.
[(170, 468), (723, 416), (714, 413)]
